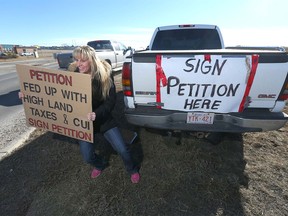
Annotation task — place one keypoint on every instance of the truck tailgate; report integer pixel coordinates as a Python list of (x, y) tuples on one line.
[(214, 81)]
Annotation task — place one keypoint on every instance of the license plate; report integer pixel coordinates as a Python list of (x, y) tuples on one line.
[(200, 118)]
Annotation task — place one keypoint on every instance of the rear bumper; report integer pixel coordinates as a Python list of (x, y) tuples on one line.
[(255, 120)]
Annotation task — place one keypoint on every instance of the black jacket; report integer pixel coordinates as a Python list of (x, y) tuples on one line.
[(103, 108)]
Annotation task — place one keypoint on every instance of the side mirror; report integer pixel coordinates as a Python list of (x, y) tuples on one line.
[(129, 48)]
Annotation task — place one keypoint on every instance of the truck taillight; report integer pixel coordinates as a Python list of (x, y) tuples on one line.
[(284, 91), (126, 79)]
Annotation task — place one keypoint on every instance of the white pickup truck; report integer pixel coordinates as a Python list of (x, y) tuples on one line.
[(114, 52), (187, 80)]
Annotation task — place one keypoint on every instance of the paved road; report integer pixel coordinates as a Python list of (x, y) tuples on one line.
[(9, 84), (13, 129)]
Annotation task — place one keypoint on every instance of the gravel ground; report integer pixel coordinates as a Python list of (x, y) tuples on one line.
[(13, 132)]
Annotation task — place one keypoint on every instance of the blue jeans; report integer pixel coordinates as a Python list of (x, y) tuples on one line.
[(114, 137)]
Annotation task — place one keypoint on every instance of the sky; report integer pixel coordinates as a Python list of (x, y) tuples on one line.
[(63, 22)]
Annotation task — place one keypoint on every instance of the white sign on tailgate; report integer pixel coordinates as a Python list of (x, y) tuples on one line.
[(210, 83)]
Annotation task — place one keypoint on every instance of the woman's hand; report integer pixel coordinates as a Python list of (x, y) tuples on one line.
[(20, 95), (91, 116)]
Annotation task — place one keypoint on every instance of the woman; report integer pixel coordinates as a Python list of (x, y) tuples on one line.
[(103, 102)]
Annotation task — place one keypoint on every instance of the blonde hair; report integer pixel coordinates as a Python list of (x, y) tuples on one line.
[(100, 70)]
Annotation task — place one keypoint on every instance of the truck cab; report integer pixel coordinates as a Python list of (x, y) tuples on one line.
[(187, 37)]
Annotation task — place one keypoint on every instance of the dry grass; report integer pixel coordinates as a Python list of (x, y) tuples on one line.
[(241, 176)]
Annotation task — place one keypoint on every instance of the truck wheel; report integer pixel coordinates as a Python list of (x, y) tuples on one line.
[(215, 138)]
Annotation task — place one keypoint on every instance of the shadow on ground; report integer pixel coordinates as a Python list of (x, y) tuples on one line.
[(10, 99)]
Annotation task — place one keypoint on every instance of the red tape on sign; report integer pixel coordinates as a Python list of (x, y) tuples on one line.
[(160, 78), (255, 60)]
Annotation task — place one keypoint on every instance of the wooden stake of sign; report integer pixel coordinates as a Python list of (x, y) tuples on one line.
[(57, 101)]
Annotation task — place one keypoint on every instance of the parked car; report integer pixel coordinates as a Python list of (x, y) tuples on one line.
[(113, 52), (27, 54)]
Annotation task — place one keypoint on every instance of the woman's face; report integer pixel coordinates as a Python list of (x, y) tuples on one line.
[(83, 65)]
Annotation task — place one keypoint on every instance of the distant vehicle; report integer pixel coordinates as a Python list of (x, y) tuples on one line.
[(113, 52), (27, 54)]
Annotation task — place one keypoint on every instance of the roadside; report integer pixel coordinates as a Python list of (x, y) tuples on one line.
[(14, 131)]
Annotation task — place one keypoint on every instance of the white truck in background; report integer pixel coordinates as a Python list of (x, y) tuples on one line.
[(188, 81), (113, 52)]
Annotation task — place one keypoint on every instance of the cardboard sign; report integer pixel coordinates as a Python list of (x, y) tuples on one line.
[(57, 101), (208, 83)]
